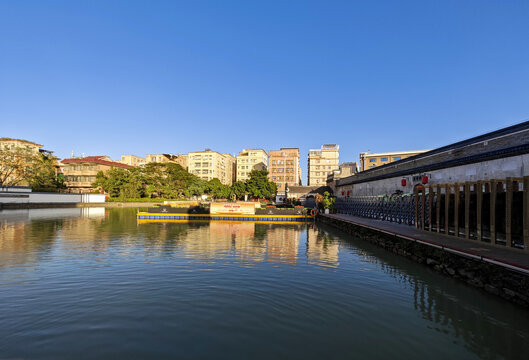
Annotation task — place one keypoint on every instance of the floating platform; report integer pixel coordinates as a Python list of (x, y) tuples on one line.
[(224, 217)]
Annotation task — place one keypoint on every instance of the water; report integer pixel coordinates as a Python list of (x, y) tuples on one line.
[(95, 284)]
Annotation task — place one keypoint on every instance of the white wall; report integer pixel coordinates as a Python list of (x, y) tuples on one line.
[(49, 198), (15, 189), (515, 166)]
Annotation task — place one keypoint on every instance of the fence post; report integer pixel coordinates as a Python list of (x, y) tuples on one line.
[(456, 209), (526, 213), (416, 191), (423, 203), (493, 192), (467, 210), (430, 205), (448, 190), (508, 212), (438, 208), (479, 195)]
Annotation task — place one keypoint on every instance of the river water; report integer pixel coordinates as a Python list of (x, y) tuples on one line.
[(96, 284)]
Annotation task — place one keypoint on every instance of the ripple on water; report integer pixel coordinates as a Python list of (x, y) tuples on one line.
[(106, 287)]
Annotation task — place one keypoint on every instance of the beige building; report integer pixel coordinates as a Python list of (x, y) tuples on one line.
[(19, 144), (284, 168), (322, 162), (16, 156), (210, 164), (80, 173), (346, 169), (369, 161), (132, 160), (248, 160), (167, 158)]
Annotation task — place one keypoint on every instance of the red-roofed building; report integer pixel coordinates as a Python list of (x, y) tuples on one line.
[(80, 173)]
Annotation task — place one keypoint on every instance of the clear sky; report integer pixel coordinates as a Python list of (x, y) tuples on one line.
[(120, 77)]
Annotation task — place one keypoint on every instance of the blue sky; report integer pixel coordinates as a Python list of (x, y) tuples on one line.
[(113, 77)]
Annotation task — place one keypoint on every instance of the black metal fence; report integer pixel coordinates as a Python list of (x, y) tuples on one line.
[(395, 208)]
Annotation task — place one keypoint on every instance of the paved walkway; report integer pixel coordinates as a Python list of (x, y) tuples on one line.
[(515, 259)]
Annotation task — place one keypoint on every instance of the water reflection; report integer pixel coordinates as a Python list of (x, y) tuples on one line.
[(487, 326), (334, 278)]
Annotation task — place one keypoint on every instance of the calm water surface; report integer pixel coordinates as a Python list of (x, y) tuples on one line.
[(95, 284)]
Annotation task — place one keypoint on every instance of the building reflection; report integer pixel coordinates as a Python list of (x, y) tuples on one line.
[(282, 243), (224, 239), (322, 249), (28, 238)]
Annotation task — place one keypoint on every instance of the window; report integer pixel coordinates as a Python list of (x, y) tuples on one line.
[(384, 159), (373, 160), (396, 158)]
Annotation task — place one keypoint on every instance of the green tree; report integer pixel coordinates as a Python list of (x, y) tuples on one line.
[(16, 165), (327, 200), (112, 181), (258, 185), (238, 189), (217, 190), (43, 176)]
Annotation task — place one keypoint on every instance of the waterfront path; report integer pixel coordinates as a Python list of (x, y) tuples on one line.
[(515, 259)]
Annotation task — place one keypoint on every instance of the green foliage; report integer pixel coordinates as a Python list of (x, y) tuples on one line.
[(171, 181), (217, 190), (258, 185), (238, 189), (155, 180), (328, 201), (44, 176)]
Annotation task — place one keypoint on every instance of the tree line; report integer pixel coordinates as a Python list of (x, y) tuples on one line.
[(172, 181)]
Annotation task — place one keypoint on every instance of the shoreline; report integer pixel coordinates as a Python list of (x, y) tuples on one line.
[(14, 206)]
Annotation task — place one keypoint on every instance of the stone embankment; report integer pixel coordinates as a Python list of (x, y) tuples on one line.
[(497, 279)]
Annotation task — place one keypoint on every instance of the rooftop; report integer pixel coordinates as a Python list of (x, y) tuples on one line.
[(96, 160), (366, 154)]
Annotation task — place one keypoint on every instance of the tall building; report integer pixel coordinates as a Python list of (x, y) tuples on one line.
[(284, 168), (80, 173), (167, 158), (369, 161), (322, 162), (210, 164), (132, 160), (250, 159)]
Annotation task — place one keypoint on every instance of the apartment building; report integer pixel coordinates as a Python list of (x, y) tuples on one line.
[(80, 173), (248, 160), (16, 156), (321, 163), (284, 168), (167, 158), (132, 160), (369, 161), (210, 164)]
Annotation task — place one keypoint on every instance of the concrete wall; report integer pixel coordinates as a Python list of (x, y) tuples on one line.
[(514, 166), (15, 189), (49, 198)]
